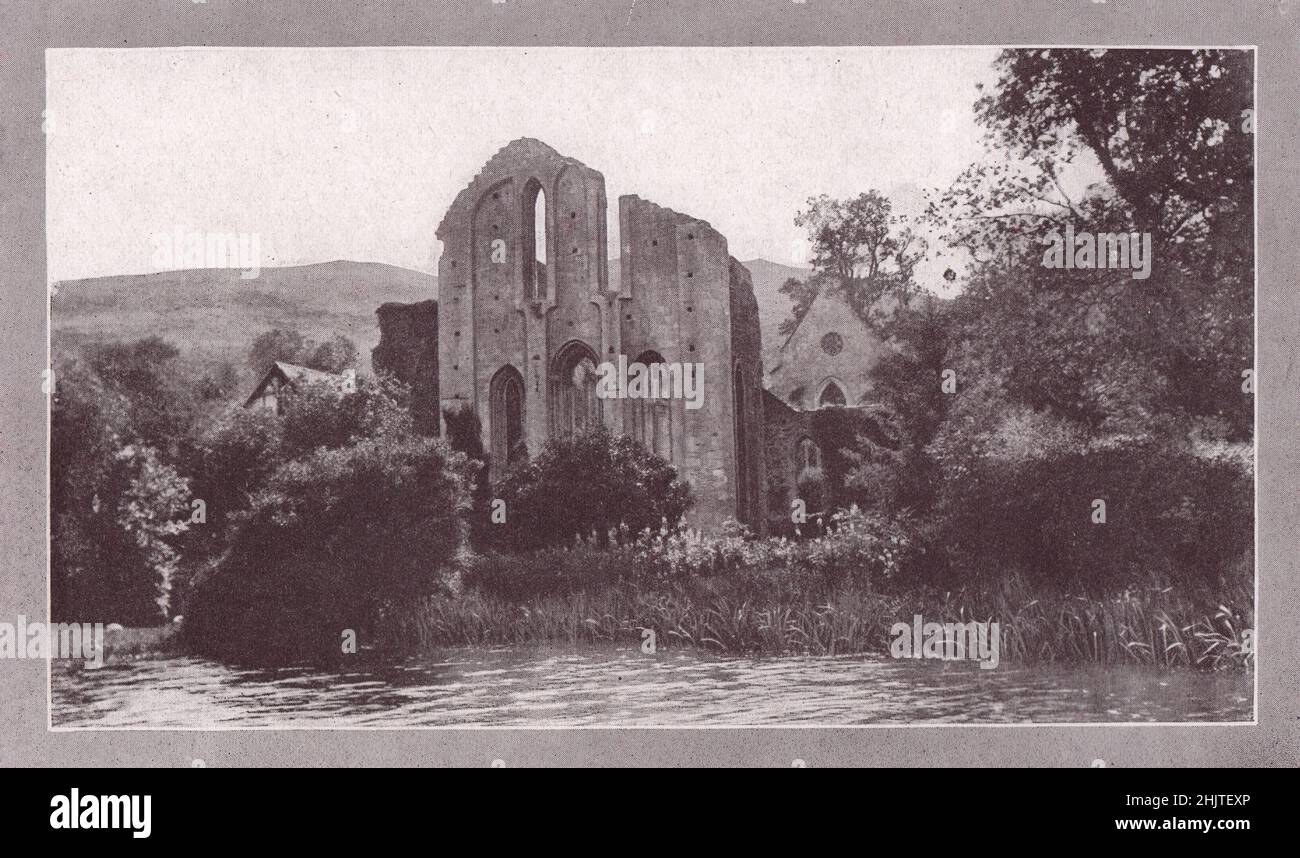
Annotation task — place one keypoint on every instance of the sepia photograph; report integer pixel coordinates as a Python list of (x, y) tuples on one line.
[(632, 387)]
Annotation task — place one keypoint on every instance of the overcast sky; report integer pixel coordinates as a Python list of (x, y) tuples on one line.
[(356, 153)]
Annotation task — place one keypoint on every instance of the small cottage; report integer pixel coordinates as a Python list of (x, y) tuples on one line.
[(281, 374)]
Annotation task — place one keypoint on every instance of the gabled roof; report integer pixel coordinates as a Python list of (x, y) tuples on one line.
[(502, 163), (293, 374)]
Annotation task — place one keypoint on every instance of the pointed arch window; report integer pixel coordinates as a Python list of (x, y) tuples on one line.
[(535, 240), (506, 396), (572, 387), (832, 396), (809, 455), (652, 419)]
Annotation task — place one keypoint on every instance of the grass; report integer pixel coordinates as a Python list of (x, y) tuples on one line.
[(1162, 627)]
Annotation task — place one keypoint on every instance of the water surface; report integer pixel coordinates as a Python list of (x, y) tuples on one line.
[(617, 686)]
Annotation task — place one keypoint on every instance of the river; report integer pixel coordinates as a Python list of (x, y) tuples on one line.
[(617, 686)]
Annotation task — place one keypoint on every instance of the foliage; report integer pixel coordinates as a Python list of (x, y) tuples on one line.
[(233, 458), (1075, 385), (856, 549), (115, 504), (1171, 514), (589, 483), (836, 594), (465, 435), (859, 247), (331, 538), (1168, 130), (158, 395), (320, 415), (334, 355)]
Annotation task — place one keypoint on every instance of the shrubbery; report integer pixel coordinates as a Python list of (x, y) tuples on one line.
[(116, 505), (330, 539), (857, 551), (1170, 516), (371, 512), (591, 483)]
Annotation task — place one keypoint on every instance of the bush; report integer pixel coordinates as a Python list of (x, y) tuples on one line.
[(315, 416), (234, 458), (326, 543), (591, 483), (1171, 516)]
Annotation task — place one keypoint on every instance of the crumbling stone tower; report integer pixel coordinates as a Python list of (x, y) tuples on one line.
[(527, 313)]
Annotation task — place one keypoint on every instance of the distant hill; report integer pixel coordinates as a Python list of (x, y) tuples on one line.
[(214, 313)]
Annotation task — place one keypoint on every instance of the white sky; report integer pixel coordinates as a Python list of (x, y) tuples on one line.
[(356, 153)]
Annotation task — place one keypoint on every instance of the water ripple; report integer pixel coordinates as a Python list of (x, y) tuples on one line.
[(585, 687)]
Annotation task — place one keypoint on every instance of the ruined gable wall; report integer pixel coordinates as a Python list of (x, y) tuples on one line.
[(489, 319), (680, 294)]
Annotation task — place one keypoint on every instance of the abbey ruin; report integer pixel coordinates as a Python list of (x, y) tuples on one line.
[(528, 311)]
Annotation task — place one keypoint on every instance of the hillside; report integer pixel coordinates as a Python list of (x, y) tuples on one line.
[(213, 313)]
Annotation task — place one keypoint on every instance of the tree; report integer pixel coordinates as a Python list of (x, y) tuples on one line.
[(1088, 383), (277, 345), (1168, 131), (1168, 128), (860, 247), (336, 354), (465, 435), (316, 416), (116, 507), (159, 393), (801, 294), (907, 382), (234, 458)]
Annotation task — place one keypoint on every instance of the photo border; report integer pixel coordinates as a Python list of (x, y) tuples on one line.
[(1271, 739)]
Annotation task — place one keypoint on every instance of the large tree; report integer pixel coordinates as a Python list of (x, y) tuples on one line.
[(1168, 135), (859, 246), (336, 354)]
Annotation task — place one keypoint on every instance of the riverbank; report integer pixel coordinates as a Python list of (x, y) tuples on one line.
[(843, 592), (1153, 626), (147, 642)]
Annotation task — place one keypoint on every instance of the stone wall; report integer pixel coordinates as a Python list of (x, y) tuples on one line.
[(494, 314), (676, 300), (747, 356), (680, 295)]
